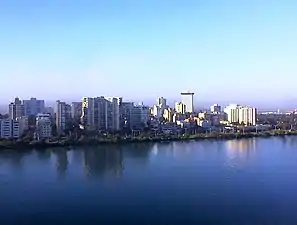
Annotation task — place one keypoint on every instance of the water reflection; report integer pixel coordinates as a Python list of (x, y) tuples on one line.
[(102, 161), (61, 161), (288, 141), (44, 156), (241, 148)]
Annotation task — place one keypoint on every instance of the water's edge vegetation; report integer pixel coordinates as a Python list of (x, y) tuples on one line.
[(116, 139)]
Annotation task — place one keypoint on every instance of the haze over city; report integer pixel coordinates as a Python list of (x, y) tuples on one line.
[(224, 51)]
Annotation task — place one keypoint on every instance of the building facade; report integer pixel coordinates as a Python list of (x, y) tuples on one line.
[(23, 124), (215, 108), (76, 110), (188, 100), (33, 106), (63, 116), (9, 128), (101, 113), (43, 126), (180, 107), (247, 116), (241, 114), (16, 109)]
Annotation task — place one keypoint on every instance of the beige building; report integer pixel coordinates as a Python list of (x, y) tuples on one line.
[(180, 107)]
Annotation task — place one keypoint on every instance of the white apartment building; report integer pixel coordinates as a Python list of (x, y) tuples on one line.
[(43, 126), (9, 129), (247, 116), (232, 112), (241, 114)]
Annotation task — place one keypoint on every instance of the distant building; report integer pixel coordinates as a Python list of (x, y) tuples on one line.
[(215, 108), (188, 100), (43, 126), (162, 103), (157, 111), (33, 106), (49, 110), (9, 129), (16, 109), (168, 114), (180, 107), (63, 116)]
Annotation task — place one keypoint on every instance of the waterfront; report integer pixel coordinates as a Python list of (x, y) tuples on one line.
[(246, 181)]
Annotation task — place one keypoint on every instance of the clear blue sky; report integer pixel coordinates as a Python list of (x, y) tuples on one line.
[(224, 50)]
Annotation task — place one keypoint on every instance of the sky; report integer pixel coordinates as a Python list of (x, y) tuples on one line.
[(223, 50)]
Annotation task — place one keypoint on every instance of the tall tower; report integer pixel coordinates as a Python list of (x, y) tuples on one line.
[(188, 99)]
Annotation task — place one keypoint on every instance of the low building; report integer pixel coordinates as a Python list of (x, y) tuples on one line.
[(9, 129)]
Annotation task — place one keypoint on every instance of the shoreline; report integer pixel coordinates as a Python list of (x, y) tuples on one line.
[(95, 142)]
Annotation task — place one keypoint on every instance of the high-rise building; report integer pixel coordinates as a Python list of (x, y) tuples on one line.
[(113, 113), (101, 113), (16, 109), (125, 115), (247, 116), (63, 116), (139, 116), (215, 108), (241, 114), (33, 106), (232, 112), (76, 109), (157, 111), (162, 103), (168, 114), (23, 124), (43, 126), (188, 100), (180, 107)]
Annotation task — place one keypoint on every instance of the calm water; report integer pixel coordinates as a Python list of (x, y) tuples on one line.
[(252, 181)]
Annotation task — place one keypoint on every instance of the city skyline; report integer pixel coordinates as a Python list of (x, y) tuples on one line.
[(221, 50)]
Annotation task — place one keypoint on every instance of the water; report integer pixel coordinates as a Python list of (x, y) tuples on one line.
[(251, 181)]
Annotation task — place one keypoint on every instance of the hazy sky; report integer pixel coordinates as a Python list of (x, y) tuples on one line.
[(224, 50)]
